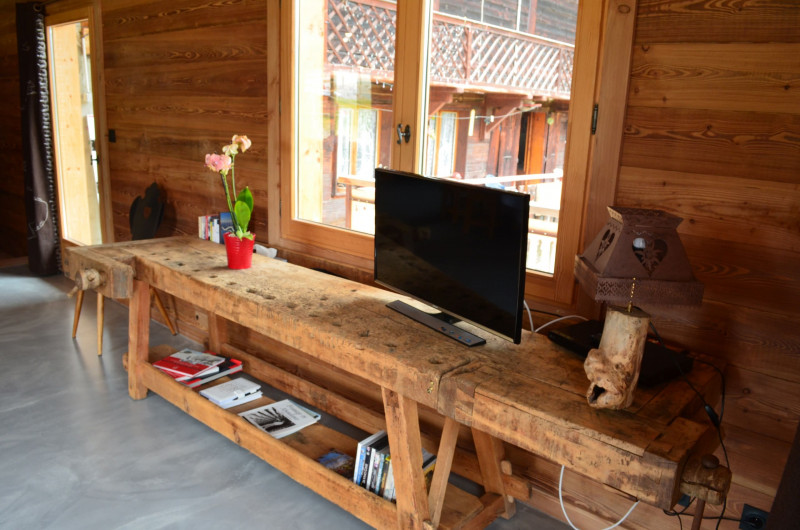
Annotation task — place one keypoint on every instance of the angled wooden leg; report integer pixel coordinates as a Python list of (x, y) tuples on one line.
[(100, 315), (402, 427), (138, 337), (490, 452), (77, 317), (163, 311), (444, 461)]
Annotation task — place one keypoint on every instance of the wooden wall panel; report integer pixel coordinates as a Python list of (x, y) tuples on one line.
[(708, 21), (734, 76), (754, 213), (751, 274), (762, 404), (179, 83), (712, 134), (13, 243), (733, 143)]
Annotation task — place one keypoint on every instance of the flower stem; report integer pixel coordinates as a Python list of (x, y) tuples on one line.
[(228, 198)]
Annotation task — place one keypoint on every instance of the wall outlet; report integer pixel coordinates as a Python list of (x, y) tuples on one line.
[(752, 518)]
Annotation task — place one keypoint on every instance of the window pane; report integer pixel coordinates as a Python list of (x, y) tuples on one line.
[(344, 78), (367, 143), (446, 147), (343, 142), (500, 77)]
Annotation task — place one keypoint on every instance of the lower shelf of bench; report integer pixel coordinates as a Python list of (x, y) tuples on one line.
[(296, 456)]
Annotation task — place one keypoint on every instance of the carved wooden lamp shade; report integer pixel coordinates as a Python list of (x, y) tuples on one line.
[(637, 259)]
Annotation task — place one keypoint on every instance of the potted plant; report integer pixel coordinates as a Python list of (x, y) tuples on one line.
[(238, 242)]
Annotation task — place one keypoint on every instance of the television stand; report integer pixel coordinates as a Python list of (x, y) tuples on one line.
[(443, 324)]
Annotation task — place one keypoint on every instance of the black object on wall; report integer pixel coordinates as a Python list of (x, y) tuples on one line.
[(785, 512), (44, 254)]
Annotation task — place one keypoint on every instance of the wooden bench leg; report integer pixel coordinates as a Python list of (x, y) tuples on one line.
[(100, 317), (490, 452), (138, 337), (402, 427), (77, 317)]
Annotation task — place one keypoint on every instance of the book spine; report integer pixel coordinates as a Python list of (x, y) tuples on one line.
[(376, 466), (383, 471), (359, 465), (368, 470)]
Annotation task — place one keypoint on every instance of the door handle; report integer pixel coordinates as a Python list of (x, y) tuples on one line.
[(403, 134)]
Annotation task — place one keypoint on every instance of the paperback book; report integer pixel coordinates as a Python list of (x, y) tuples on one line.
[(281, 418), (227, 367), (232, 393), (189, 363)]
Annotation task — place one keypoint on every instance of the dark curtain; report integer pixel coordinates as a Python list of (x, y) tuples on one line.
[(37, 141)]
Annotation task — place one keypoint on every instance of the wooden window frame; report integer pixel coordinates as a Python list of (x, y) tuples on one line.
[(601, 69)]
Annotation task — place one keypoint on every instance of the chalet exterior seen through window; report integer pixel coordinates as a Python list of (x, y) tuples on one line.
[(498, 92)]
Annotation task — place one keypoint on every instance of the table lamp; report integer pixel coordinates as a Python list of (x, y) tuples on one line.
[(636, 259)]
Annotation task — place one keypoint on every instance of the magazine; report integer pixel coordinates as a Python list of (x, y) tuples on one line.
[(281, 418)]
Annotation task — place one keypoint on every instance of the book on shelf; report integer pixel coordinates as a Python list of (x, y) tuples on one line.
[(232, 393), (281, 418), (372, 460), (188, 363), (361, 468), (339, 462), (373, 466), (227, 367)]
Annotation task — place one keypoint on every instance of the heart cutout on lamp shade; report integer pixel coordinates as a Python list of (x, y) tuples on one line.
[(649, 252)]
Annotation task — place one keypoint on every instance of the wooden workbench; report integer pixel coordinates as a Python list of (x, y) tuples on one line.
[(531, 395)]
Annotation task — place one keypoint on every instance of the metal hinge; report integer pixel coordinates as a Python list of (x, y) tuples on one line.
[(594, 119)]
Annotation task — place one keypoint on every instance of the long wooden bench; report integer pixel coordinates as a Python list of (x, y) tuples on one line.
[(530, 395)]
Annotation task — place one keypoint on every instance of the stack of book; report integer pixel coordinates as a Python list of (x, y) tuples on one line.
[(232, 393), (213, 227), (281, 418), (373, 466), (227, 367), (187, 364), (194, 368)]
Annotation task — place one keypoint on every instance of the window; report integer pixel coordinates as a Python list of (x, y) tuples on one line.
[(347, 54)]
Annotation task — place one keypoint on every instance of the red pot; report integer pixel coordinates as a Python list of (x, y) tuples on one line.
[(240, 251)]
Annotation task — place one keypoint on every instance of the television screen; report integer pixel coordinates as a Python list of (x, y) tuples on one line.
[(457, 247)]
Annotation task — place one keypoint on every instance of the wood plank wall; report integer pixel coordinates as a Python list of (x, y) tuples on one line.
[(13, 242), (711, 134), (182, 77)]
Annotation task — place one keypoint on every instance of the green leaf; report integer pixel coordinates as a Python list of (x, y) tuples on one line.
[(246, 197), (242, 212)]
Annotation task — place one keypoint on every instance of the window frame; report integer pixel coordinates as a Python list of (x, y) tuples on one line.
[(601, 66)]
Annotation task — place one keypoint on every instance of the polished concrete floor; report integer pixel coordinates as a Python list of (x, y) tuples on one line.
[(77, 453)]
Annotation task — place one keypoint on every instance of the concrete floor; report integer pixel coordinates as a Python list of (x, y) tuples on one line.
[(78, 453)]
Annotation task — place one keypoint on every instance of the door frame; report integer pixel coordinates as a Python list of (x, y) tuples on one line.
[(93, 15)]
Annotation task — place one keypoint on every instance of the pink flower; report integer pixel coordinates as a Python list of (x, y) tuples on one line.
[(220, 163), (243, 142)]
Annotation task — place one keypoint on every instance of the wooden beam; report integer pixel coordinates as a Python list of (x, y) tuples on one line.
[(402, 426)]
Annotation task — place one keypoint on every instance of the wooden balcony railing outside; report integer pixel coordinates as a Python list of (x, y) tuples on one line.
[(464, 53)]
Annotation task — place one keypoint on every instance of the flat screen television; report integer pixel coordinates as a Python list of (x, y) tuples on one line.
[(457, 247)]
